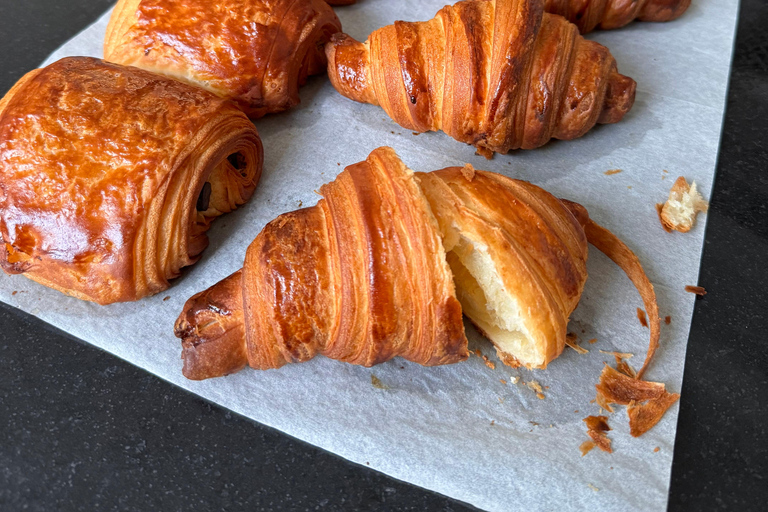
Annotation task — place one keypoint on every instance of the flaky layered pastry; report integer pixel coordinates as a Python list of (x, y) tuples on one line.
[(110, 176), (384, 264), (255, 52), (608, 14), (605, 14), (497, 74)]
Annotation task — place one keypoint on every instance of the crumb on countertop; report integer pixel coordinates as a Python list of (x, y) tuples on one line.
[(698, 290), (376, 382)]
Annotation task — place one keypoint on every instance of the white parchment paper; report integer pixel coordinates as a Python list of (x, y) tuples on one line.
[(460, 430)]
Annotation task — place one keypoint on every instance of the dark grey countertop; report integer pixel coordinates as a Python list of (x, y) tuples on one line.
[(83, 430)]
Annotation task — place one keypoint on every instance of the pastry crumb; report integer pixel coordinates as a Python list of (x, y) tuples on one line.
[(656, 450), (641, 316), (586, 447), (166, 298), (612, 172), (490, 364), (376, 382), (503, 381), (515, 380), (573, 341), (593, 488), (593, 341), (698, 290), (667, 319), (679, 212)]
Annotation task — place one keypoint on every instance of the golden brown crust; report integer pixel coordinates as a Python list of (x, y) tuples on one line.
[(256, 52), (344, 280), (497, 74), (605, 14), (212, 327), (643, 417), (538, 245), (362, 276), (609, 14), (101, 168)]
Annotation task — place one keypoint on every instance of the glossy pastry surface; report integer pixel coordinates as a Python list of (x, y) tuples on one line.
[(497, 74), (385, 263), (256, 52), (110, 176)]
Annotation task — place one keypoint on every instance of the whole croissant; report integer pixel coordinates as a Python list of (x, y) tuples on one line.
[(383, 265), (605, 14), (497, 74), (110, 176), (255, 52)]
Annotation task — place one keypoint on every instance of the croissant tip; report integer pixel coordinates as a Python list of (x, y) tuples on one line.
[(619, 98)]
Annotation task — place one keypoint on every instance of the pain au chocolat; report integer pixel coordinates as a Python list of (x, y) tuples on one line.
[(110, 176), (255, 52)]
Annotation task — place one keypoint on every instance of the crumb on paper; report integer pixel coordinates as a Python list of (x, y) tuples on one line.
[(416, 133), (612, 172), (490, 364), (586, 447), (597, 426), (593, 341), (14, 292), (593, 487), (533, 423), (514, 380), (646, 401), (698, 290), (301, 203), (623, 355), (679, 212), (377, 383), (644, 417), (493, 422), (667, 319), (665, 171), (629, 187), (468, 171), (166, 298), (625, 368), (656, 450), (641, 316), (477, 353), (501, 400), (540, 396), (573, 341), (503, 381), (534, 386)]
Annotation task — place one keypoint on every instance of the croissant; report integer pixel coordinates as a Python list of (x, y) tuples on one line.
[(255, 52), (110, 176), (385, 263), (497, 74), (605, 14), (608, 14)]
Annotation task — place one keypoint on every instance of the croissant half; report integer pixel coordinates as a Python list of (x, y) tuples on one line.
[(384, 264), (110, 176), (605, 14), (497, 74), (255, 52)]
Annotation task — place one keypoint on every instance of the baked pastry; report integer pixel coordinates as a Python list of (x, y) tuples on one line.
[(383, 265), (605, 14), (110, 176), (497, 74), (608, 14), (255, 52), (679, 212)]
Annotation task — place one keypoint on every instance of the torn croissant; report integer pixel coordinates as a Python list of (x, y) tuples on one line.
[(497, 74), (255, 52), (110, 177), (385, 263), (683, 205), (605, 14)]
